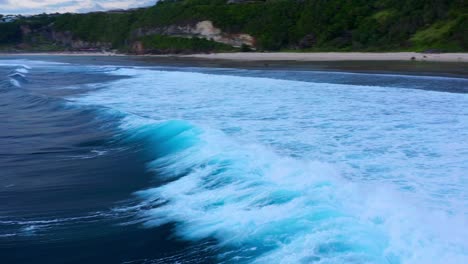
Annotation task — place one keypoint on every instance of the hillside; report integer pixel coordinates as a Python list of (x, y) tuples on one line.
[(189, 26)]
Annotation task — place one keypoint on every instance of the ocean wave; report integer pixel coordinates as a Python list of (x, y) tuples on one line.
[(264, 205), (286, 171), (272, 208), (18, 76), (28, 64)]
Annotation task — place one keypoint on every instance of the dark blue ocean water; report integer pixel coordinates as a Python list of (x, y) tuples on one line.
[(139, 164), (62, 173)]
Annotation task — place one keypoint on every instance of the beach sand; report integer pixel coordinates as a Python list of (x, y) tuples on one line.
[(335, 56), (289, 56), (443, 64)]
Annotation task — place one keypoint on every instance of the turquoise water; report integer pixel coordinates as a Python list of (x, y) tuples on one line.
[(317, 168)]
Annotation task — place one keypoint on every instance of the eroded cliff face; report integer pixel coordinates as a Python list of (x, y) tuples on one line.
[(66, 39), (203, 29), (33, 38)]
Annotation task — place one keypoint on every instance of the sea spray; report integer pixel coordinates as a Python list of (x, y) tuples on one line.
[(280, 170)]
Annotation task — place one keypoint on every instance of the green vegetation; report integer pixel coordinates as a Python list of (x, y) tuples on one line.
[(9, 33), (167, 44), (436, 34), (363, 25), (98, 27)]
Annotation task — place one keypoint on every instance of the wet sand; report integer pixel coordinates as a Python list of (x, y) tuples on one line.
[(280, 61)]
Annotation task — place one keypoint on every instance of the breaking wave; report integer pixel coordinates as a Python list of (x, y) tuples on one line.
[(214, 180), (260, 204), (262, 207)]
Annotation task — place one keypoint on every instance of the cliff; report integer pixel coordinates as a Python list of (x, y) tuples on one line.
[(201, 30), (188, 26)]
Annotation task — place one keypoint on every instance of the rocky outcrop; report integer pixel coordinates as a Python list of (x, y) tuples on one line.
[(34, 37), (138, 48), (25, 30), (48, 36), (307, 41), (203, 29), (67, 39)]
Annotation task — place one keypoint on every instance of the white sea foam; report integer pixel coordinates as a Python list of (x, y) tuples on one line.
[(36, 227), (287, 171), (7, 235), (16, 75), (22, 70), (19, 74), (28, 64), (15, 82)]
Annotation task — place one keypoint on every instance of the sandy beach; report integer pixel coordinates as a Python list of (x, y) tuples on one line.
[(444, 64), (288, 56), (335, 56)]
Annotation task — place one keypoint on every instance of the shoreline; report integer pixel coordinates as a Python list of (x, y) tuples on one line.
[(281, 56), (75, 54), (442, 64), (335, 56)]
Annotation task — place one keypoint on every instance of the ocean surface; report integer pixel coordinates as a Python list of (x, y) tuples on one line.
[(134, 163)]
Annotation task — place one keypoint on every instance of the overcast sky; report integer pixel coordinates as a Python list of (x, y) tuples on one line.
[(28, 7)]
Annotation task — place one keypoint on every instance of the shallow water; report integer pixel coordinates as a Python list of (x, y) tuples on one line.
[(134, 164)]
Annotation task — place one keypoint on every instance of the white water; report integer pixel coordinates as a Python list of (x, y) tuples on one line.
[(288, 171)]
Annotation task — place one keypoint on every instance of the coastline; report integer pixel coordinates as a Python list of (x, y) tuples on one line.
[(434, 64), (335, 56), (283, 56), (77, 54)]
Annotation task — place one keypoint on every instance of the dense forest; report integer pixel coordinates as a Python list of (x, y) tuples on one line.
[(309, 25)]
